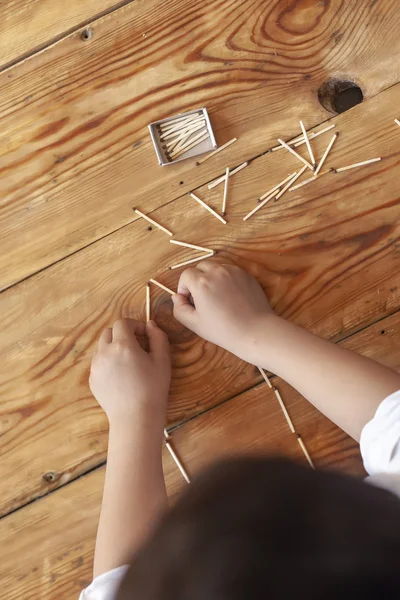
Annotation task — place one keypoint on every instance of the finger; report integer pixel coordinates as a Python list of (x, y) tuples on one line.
[(184, 311), (105, 338), (206, 266), (158, 343), (124, 330), (187, 281)]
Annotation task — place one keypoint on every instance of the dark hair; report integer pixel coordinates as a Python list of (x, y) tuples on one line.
[(258, 528)]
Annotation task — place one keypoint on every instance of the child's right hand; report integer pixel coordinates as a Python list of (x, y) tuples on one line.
[(230, 308)]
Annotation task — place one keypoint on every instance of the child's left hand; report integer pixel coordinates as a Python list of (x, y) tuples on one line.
[(127, 381)]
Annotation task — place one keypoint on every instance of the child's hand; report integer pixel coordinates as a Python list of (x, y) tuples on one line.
[(230, 308), (127, 381)]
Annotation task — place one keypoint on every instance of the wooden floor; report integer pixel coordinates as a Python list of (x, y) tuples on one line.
[(75, 156)]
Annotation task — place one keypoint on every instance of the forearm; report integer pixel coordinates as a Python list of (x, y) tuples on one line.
[(134, 495), (343, 385)]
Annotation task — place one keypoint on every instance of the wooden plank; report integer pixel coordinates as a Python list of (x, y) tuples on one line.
[(74, 146), (49, 544), (327, 256), (26, 27)]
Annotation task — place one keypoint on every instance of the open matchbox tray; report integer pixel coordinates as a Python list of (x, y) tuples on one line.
[(206, 145)]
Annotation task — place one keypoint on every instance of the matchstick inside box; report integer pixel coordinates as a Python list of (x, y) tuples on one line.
[(183, 136)]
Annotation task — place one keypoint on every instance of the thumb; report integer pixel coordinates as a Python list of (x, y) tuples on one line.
[(158, 342), (184, 312)]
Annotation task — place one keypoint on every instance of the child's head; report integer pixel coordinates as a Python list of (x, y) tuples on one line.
[(254, 529)]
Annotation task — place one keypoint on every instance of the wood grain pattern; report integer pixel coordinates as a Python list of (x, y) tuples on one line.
[(26, 27), (74, 145), (50, 544), (327, 257)]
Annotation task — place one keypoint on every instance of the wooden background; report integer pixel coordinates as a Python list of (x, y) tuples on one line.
[(75, 156)]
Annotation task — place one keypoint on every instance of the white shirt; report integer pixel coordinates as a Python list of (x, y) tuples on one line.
[(380, 450)]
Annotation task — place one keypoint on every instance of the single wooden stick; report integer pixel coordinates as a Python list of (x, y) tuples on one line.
[(277, 186), (193, 260), (307, 141), (176, 459), (148, 308), (306, 181), (397, 121), (312, 136), (323, 159), (225, 192), (291, 182), (183, 134), (296, 154), (299, 140), (178, 124), (193, 246), (191, 141), (263, 203), (221, 179), (179, 131), (361, 164), (199, 162), (191, 145), (163, 287), (204, 205), (306, 453), (147, 218), (263, 373), (180, 119), (284, 410)]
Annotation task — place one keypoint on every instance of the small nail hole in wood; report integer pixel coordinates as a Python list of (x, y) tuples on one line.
[(87, 34)]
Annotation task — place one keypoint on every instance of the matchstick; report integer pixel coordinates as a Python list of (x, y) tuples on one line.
[(291, 182), (193, 246), (307, 141), (263, 373), (204, 205), (306, 453), (296, 154), (221, 179), (191, 145), (284, 410), (178, 136), (397, 121), (299, 141), (276, 187), (147, 218), (263, 203), (306, 181), (163, 287), (189, 262), (174, 456), (199, 162), (184, 144), (176, 132), (361, 164), (323, 159), (175, 125), (225, 192), (180, 119), (312, 136), (148, 307)]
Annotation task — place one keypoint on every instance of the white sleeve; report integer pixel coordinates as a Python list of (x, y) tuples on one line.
[(105, 586), (380, 445)]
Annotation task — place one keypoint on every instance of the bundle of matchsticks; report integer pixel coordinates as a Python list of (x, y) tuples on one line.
[(178, 136)]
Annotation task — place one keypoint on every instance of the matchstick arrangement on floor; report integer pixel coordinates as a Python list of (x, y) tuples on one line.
[(179, 134)]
